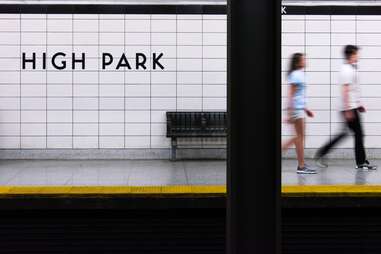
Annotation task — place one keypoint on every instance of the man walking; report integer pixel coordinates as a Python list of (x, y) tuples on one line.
[(350, 109)]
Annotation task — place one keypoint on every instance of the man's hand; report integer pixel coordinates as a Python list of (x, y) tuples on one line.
[(309, 113), (361, 109), (349, 115)]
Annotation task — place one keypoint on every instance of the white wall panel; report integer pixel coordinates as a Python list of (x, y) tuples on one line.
[(95, 108), (317, 26), (323, 43)]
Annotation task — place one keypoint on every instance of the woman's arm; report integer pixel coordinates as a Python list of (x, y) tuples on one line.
[(291, 93), (290, 102)]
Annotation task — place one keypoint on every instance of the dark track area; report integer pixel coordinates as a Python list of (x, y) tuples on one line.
[(186, 229), (108, 231)]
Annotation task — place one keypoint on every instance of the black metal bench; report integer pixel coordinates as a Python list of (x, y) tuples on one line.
[(195, 124)]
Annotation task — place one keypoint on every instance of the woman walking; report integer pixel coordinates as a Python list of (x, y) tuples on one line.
[(296, 110)]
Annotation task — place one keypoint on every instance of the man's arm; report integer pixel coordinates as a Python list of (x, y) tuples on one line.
[(345, 95), (348, 114)]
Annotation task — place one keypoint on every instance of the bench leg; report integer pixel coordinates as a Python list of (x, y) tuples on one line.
[(173, 149)]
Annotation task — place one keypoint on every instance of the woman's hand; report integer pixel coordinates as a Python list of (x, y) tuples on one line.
[(309, 113), (288, 118)]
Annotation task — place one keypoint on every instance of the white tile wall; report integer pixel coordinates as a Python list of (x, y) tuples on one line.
[(94, 108), (323, 38)]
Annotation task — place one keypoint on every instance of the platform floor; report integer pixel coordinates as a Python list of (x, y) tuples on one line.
[(164, 173), (339, 172), (111, 173)]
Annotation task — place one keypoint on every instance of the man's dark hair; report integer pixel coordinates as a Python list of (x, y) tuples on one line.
[(349, 50)]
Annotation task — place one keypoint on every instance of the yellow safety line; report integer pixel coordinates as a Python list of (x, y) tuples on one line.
[(331, 190), (287, 191), (111, 190)]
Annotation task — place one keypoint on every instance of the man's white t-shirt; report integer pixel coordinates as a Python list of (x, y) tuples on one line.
[(349, 76)]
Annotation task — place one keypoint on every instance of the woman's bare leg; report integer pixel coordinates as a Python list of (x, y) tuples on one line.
[(299, 141), (288, 144)]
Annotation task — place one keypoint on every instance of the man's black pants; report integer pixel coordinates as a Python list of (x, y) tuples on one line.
[(356, 127)]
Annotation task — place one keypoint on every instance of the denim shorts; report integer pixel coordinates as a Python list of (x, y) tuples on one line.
[(297, 114)]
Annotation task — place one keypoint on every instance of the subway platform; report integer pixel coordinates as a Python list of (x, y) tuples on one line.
[(339, 177), (340, 185), (339, 172), (186, 180), (112, 173), (116, 184), (82, 173), (146, 202), (165, 173)]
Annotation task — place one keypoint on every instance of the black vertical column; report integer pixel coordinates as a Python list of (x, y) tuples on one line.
[(254, 127)]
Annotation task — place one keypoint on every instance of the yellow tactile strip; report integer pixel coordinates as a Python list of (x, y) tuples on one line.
[(187, 190), (332, 191)]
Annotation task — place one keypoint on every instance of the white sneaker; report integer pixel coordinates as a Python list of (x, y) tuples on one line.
[(366, 166), (321, 162)]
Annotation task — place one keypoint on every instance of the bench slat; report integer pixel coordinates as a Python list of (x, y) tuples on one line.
[(196, 124)]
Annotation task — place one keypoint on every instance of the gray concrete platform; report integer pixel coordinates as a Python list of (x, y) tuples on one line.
[(164, 173), (339, 172), (111, 172)]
